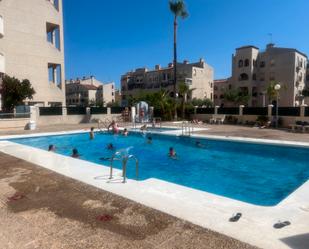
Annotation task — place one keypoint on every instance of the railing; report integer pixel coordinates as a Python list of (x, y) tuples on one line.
[(229, 110), (50, 111), (14, 115), (76, 110), (287, 111), (263, 111), (205, 110), (98, 110), (117, 110), (124, 158)]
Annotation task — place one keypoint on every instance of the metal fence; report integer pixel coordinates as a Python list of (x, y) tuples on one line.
[(261, 111), (12, 115), (76, 110), (205, 110), (287, 111), (50, 111), (98, 110), (117, 110), (229, 110)]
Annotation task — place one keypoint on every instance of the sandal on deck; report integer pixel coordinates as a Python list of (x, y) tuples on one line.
[(235, 218), (280, 225)]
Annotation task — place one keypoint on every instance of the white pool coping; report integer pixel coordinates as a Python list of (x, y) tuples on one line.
[(205, 209)]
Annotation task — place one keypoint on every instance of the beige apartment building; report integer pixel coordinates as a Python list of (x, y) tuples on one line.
[(89, 91), (197, 75), (31, 47), (253, 70)]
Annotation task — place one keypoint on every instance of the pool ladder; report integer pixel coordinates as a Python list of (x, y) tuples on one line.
[(186, 128), (124, 159)]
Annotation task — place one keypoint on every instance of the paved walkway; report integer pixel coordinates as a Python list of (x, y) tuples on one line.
[(41, 209)]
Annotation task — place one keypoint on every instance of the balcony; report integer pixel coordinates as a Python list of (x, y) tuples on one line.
[(1, 27), (2, 64)]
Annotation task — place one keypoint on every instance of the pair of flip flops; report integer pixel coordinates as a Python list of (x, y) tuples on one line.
[(280, 224), (104, 218), (235, 217), (16, 197)]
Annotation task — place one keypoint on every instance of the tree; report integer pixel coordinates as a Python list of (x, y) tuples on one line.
[(271, 92), (14, 92), (178, 9), (237, 97), (202, 102), (184, 92)]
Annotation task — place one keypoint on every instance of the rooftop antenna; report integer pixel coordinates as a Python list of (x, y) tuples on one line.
[(270, 37)]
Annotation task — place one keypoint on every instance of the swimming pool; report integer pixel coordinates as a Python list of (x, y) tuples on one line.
[(254, 173)]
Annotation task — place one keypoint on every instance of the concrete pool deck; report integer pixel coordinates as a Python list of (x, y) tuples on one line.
[(59, 212), (255, 227)]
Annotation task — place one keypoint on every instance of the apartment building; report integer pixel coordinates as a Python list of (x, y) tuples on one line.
[(220, 87), (253, 70), (31, 47), (197, 75), (89, 91)]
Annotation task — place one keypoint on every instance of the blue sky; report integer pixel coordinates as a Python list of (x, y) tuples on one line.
[(107, 38)]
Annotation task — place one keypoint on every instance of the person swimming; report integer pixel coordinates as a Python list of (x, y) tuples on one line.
[(199, 144), (149, 140), (125, 132), (114, 126), (51, 148), (172, 153), (75, 153), (91, 133), (110, 146)]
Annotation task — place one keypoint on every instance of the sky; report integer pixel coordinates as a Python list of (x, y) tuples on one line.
[(107, 38)]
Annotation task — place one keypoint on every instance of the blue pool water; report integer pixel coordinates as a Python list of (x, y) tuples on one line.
[(254, 173)]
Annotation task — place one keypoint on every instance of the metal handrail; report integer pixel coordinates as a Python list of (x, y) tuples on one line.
[(124, 160)]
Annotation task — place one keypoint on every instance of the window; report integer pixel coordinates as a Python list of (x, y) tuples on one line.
[(254, 92), (55, 3), (215, 96), (1, 27), (272, 76), (247, 63), (254, 63), (216, 88), (240, 63), (254, 76), (53, 35), (54, 74), (262, 64), (243, 77), (221, 96), (272, 63), (230, 86), (2, 63)]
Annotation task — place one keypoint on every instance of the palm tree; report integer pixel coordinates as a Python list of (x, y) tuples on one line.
[(178, 9), (184, 91)]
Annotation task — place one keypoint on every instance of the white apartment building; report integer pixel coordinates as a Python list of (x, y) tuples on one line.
[(253, 70), (197, 75), (31, 47), (89, 91)]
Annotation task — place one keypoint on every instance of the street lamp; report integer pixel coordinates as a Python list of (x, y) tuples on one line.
[(277, 89)]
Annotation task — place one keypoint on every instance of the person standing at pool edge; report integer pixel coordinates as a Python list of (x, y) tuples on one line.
[(91, 134), (114, 126)]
